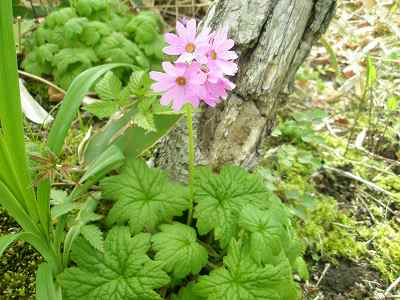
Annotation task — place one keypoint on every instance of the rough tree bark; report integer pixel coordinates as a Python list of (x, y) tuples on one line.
[(273, 38)]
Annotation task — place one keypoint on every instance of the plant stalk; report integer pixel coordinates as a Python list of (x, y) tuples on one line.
[(189, 123)]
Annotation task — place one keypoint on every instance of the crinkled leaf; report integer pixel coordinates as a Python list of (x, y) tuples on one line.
[(177, 247), (145, 197), (220, 198), (187, 293), (123, 272), (94, 236), (109, 87), (145, 120), (103, 109), (242, 279), (268, 234)]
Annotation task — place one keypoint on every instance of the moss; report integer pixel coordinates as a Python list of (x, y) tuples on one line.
[(18, 265), (330, 233), (384, 240)]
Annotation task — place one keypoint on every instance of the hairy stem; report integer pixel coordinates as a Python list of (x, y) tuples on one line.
[(189, 120)]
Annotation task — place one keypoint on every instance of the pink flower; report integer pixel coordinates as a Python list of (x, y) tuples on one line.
[(199, 72), (180, 84), (187, 43), (215, 89), (220, 55)]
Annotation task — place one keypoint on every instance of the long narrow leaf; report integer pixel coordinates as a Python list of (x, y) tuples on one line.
[(72, 101), (45, 287), (14, 208), (11, 115), (108, 160), (67, 113), (43, 248), (133, 141), (7, 240)]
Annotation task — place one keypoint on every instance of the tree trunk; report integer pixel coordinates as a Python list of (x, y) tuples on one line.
[(273, 38)]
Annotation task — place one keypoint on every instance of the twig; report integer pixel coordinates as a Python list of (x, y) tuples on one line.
[(327, 266), (362, 180), (29, 75), (392, 286)]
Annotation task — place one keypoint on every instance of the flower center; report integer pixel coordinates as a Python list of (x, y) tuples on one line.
[(181, 80), (213, 55), (190, 47)]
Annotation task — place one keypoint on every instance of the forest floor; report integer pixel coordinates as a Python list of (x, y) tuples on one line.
[(353, 75), (334, 159)]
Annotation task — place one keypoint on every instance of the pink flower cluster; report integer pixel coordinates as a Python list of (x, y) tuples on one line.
[(198, 74)]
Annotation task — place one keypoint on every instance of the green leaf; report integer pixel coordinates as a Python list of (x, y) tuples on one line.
[(7, 240), (110, 159), (187, 293), (268, 234), (302, 268), (71, 103), (392, 103), (94, 236), (74, 27), (15, 209), (220, 198), (136, 82), (103, 109), (45, 286), (85, 215), (145, 197), (109, 87), (14, 170), (123, 272), (61, 204), (132, 141), (371, 73), (145, 120), (177, 247), (241, 278)]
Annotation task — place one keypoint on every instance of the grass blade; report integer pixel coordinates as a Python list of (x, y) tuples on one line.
[(45, 288), (11, 119), (72, 101), (108, 160), (6, 241)]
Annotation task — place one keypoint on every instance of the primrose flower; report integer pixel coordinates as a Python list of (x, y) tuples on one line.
[(220, 55), (179, 84), (214, 89), (187, 43), (199, 71)]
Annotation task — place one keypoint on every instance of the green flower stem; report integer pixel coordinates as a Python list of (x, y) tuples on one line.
[(189, 122)]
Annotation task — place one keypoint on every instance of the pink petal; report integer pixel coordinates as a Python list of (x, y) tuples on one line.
[(165, 99), (191, 30), (229, 68), (181, 30), (174, 40), (179, 99), (180, 68), (229, 85), (163, 86), (225, 45), (157, 76), (174, 50), (169, 68), (220, 37), (204, 36), (228, 55), (185, 58)]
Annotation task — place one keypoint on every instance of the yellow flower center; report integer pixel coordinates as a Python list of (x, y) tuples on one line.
[(213, 55), (190, 48), (181, 81)]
